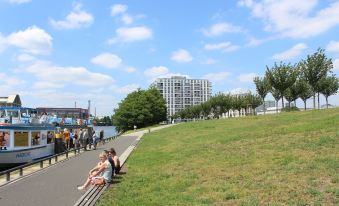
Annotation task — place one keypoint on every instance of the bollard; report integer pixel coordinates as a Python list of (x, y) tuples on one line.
[(41, 164), (56, 158), (21, 172), (67, 154), (8, 176), (50, 161)]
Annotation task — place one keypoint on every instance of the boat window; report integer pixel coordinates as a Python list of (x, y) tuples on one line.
[(36, 140), (4, 140), (20, 139), (50, 137), (2, 113), (13, 113)]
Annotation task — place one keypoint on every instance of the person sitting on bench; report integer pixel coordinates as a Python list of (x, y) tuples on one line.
[(100, 174), (116, 160)]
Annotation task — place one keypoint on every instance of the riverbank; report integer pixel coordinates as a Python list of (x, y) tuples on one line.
[(285, 159)]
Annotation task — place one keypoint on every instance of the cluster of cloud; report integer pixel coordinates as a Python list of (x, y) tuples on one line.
[(74, 20), (291, 53), (128, 34), (333, 46), (219, 29), (111, 61), (160, 72), (217, 77), (295, 19), (181, 56), (33, 40), (223, 46)]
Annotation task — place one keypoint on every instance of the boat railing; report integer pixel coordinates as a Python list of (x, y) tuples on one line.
[(41, 161)]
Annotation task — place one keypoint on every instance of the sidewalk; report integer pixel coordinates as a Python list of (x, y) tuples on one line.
[(56, 185)]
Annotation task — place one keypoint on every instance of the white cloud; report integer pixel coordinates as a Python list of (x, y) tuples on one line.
[(10, 81), (32, 40), (127, 19), (181, 56), (130, 69), (125, 89), (224, 46), (2, 43), (333, 46), (160, 72), (209, 61), (221, 28), (19, 1), (290, 53), (216, 77), (74, 20), (247, 77), (156, 71), (25, 58), (47, 85), (295, 19), (46, 71), (107, 60), (118, 9), (336, 64), (131, 34)]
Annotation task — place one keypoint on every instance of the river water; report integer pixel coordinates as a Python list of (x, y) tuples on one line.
[(109, 131)]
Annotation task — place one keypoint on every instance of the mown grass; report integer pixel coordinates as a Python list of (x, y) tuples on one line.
[(285, 159)]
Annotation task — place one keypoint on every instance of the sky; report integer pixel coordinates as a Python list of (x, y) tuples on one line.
[(56, 53)]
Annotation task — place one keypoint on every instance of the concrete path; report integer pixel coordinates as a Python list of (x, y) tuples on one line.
[(56, 185)]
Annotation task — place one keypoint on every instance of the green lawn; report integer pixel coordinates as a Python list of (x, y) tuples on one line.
[(285, 159)]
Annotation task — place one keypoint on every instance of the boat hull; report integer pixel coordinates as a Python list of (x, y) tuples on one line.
[(17, 157)]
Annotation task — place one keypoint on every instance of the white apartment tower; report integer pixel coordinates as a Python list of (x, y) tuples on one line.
[(180, 92)]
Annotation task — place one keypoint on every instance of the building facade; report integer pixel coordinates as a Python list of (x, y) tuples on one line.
[(180, 92), (10, 101), (64, 112)]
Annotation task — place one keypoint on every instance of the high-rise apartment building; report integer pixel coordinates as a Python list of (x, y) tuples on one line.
[(180, 92)]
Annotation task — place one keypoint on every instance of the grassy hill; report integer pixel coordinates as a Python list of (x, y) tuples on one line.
[(285, 159)]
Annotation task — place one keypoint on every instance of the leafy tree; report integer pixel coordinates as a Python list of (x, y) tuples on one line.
[(253, 101), (306, 91), (281, 77), (328, 86), (263, 87), (314, 68), (276, 95), (141, 108), (292, 94)]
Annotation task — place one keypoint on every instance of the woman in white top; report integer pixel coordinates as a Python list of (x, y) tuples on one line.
[(100, 174)]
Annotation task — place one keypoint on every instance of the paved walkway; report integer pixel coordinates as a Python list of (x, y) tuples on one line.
[(56, 185)]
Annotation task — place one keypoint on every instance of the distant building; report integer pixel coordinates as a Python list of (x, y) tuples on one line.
[(268, 104), (64, 112), (10, 101), (180, 92)]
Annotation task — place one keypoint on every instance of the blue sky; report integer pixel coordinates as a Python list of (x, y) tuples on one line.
[(54, 53)]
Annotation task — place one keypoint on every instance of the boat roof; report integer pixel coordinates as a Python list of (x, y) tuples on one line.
[(16, 108)]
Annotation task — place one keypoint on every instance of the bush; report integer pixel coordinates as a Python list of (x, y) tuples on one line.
[(290, 109)]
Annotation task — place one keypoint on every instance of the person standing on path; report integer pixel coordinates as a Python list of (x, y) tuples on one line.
[(86, 138)]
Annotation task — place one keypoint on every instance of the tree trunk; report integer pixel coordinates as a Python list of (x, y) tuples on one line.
[(326, 101), (295, 103), (305, 104), (289, 104), (263, 100), (318, 101), (314, 101), (282, 100), (276, 106)]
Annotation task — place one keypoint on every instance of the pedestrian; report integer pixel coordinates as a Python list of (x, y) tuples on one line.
[(100, 174), (94, 140), (66, 137), (85, 136), (102, 136)]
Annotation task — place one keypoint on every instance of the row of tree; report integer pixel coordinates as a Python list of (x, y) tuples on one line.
[(104, 121), (220, 104), (140, 108), (308, 78)]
